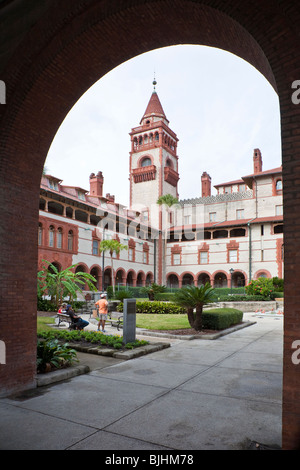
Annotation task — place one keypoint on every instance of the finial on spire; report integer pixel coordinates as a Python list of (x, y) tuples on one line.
[(154, 82)]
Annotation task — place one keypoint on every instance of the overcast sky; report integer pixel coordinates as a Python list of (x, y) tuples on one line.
[(220, 107)]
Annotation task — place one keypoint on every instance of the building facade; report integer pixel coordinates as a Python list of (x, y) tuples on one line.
[(226, 239)]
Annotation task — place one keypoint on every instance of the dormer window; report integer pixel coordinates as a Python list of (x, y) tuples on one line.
[(53, 185), (81, 195)]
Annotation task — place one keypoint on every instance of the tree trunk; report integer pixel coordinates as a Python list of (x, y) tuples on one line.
[(191, 317), (198, 318), (112, 274)]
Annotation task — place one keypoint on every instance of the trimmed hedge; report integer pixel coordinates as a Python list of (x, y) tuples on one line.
[(155, 307), (164, 296), (219, 319), (240, 298)]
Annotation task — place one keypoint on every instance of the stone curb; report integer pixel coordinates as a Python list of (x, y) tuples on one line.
[(62, 374), (65, 374), (190, 337), (130, 354)]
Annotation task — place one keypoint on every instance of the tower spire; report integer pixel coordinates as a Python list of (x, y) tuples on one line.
[(154, 107), (154, 83)]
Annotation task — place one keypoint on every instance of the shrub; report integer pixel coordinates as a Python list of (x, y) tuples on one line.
[(278, 284), (262, 286), (51, 354), (44, 305), (219, 319), (164, 296), (155, 307), (124, 294), (240, 298)]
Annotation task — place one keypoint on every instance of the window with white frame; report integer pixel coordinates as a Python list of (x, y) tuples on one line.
[(51, 236), (130, 254), (176, 258), (240, 213), (70, 240), (232, 256), (278, 210), (203, 257), (212, 216), (59, 238), (95, 247), (187, 219)]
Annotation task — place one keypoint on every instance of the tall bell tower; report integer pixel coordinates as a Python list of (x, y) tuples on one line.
[(153, 161)]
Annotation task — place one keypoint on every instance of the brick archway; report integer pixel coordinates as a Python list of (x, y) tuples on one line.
[(61, 49)]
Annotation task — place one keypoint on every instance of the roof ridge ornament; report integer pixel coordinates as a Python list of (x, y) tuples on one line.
[(154, 83)]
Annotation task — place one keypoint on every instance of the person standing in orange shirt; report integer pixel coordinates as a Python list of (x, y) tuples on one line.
[(102, 306)]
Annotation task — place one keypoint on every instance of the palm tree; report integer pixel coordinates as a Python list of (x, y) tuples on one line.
[(167, 199), (194, 298), (59, 284), (112, 246)]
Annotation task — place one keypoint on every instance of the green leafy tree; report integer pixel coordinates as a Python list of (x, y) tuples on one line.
[(59, 284), (194, 298), (112, 246)]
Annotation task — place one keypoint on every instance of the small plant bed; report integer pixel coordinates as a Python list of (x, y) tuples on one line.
[(91, 339), (51, 355)]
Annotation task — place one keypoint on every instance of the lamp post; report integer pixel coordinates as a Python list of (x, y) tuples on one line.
[(231, 270)]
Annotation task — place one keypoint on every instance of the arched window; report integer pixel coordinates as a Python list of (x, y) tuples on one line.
[(40, 235), (169, 163), (59, 238), (146, 161), (51, 236), (278, 185), (70, 240)]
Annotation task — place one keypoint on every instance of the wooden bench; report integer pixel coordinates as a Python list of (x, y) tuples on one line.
[(65, 318), (115, 319)]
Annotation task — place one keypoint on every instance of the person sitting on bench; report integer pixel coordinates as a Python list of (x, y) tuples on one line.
[(78, 321)]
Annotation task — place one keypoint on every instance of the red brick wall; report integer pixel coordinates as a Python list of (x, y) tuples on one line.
[(49, 67)]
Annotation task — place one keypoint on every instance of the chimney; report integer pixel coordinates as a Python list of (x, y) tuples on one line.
[(257, 161), (206, 184), (110, 198), (96, 184)]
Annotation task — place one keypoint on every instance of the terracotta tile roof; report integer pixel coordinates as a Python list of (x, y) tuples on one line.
[(154, 107)]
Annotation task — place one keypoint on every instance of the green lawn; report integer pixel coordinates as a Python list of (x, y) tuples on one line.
[(42, 324), (155, 321)]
